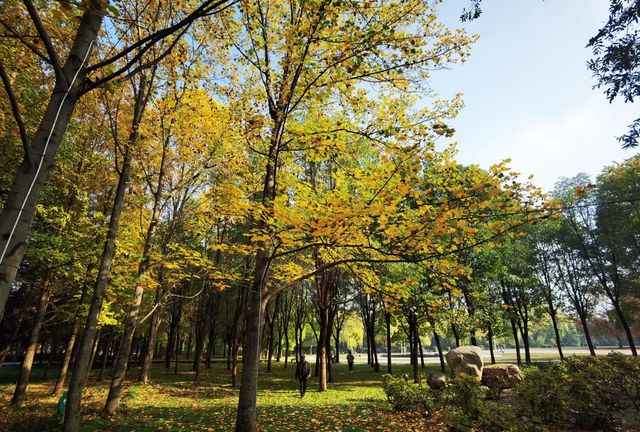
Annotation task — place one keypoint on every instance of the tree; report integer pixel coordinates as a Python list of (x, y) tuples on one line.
[(303, 56), (616, 49), (601, 255), (74, 78)]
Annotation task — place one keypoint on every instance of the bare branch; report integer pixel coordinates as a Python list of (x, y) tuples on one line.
[(15, 109), (25, 42), (44, 37), (206, 8)]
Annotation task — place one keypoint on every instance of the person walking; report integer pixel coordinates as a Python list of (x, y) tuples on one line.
[(350, 360), (303, 372)]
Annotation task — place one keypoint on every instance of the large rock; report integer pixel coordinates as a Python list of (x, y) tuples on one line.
[(501, 377), (437, 380), (466, 360)]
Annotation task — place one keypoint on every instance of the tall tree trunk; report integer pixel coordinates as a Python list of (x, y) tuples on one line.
[(286, 348), (322, 347), (436, 336), (270, 348), (525, 341), (80, 370), (154, 325), (92, 357), (374, 348), (387, 319), (20, 203), (246, 416), (11, 340), (124, 351), (176, 315), (490, 336), (200, 334), (52, 355), (454, 328), (329, 359), (411, 341), (27, 362), (625, 326), (211, 344), (413, 328), (66, 361), (235, 329), (197, 356), (587, 334), (178, 349), (514, 330), (105, 356), (131, 322), (279, 347), (556, 331)]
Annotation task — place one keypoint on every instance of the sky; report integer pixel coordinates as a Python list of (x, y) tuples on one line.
[(528, 93)]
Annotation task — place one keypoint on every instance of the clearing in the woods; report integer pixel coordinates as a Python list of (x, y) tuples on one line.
[(354, 402)]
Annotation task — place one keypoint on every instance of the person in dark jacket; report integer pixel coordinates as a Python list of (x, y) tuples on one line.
[(303, 372), (350, 360)]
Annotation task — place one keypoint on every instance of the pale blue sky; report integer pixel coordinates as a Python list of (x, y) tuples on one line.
[(528, 92)]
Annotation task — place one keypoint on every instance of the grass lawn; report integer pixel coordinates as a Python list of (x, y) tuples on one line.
[(355, 402)]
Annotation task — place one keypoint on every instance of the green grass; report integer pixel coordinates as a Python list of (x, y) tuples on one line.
[(354, 402)]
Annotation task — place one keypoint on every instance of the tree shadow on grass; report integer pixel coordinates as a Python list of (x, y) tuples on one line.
[(294, 417)]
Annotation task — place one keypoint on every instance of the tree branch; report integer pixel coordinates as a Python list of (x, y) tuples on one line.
[(26, 43), (44, 37), (15, 109)]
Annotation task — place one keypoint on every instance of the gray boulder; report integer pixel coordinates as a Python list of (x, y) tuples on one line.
[(466, 360), (437, 380)]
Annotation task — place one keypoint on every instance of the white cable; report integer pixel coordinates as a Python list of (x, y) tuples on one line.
[(44, 152)]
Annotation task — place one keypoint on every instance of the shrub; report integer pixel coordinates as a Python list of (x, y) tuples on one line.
[(405, 395), (467, 410), (542, 394), (586, 390), (465, 393)]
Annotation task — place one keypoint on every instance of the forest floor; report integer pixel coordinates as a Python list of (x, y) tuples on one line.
[(354, 402)]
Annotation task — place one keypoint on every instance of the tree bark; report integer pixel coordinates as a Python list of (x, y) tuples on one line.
[(246, 416), (131, 322), (200, 333), (625, 326), (27, 362), (322, 347), (80, 371), (455, 334), (556, 331), (145, 372), (436, 336), (387, 318), (66, 361), (587, 334), (20, 203), (490, 336), (105, 356), (514, 330), (92, 357), (413, 328)]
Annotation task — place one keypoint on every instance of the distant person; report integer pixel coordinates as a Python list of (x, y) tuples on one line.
[(350, 360), (62, 406), (303, 372)]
